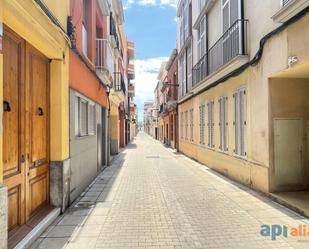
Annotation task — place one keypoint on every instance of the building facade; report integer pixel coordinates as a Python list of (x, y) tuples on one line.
[(243, 77), (170, 93), (65, 68), (88, 93), (34, 97)]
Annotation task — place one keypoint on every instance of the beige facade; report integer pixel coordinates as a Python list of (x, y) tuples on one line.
[(271, 91)]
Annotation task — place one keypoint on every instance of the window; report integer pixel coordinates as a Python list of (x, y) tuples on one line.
[(189, 66), (172, 127), (91, 119), (223, 124), (184, 75), (186, 131), (211, 138), (191, 126), (180, 76), (202, 124), (201, 4), (181, 125), (230, 13), (240, 122), (201, 43), (85, 122), (84, 30)]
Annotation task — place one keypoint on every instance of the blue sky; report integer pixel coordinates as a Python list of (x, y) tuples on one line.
[(151, 25)]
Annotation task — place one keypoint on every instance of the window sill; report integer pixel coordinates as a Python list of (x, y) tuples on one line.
[(290, 10)]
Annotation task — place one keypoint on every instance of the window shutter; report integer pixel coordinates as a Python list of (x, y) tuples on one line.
[(242, 107), (234, 13), (83, 117), (225, 125), (226, 15), (91, 119), (77, 116), (236, 122)]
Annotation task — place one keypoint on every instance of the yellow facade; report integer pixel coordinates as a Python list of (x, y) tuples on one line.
[(29, 21), (274, 90)]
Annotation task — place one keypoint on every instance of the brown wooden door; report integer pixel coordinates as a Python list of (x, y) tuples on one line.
[(37, 131), (26, 129), (13, 127)]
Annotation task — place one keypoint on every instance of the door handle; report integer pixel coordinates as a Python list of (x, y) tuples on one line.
[(6, 106), (22, 158)]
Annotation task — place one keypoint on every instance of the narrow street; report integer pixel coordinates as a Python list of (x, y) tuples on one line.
[(153, 197)]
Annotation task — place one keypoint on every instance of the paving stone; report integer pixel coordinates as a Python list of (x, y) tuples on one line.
[(152, 198)]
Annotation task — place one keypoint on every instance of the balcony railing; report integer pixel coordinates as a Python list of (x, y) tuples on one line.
[(285, 2), (118, 83), (231, 44), (104, 56)]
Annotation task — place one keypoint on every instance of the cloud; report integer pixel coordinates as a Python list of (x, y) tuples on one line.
[(171, 3), (146, 72), (162, 3)]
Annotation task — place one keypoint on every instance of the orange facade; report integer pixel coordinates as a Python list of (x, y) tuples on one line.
[(85, 82)]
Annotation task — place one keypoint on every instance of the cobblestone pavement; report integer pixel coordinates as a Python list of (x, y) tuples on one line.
[(152, 197)]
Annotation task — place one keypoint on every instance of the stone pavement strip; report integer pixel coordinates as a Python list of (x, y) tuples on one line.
[(153, 197)]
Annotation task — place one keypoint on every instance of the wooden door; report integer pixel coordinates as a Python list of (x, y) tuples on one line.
[(13, 127), (25, 129), (37, 132)]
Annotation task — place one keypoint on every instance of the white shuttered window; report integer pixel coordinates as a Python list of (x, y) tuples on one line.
[(202, 124), (85, 118), (211, 124), (240, 122), (223, 123), (186, 131), (191, 125)]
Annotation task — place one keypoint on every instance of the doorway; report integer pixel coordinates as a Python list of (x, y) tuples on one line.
[(288, 137), (25, 130)]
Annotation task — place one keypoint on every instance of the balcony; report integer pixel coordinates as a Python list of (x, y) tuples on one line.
[(233, 43), (131, 49), (118, 83), (289, 9), (113, 32), (131, 71), (131, 90), (104, 59)]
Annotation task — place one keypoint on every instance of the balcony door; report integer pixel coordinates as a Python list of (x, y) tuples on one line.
[(232, 29)]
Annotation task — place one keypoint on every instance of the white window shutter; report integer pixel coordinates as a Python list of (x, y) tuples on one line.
[(91, 119), (225, 137), (77, 116), (83, 117), (242, 122)]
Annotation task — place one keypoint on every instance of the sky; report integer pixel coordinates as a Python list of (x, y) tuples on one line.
[(151, 25)]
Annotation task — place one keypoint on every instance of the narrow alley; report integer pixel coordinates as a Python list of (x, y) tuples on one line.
[(153, 197)]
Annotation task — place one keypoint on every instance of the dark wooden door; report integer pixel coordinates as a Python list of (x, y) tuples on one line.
[(26, 129)]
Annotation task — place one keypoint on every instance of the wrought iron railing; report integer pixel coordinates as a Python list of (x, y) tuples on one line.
[(285, 2), (231, 44)]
